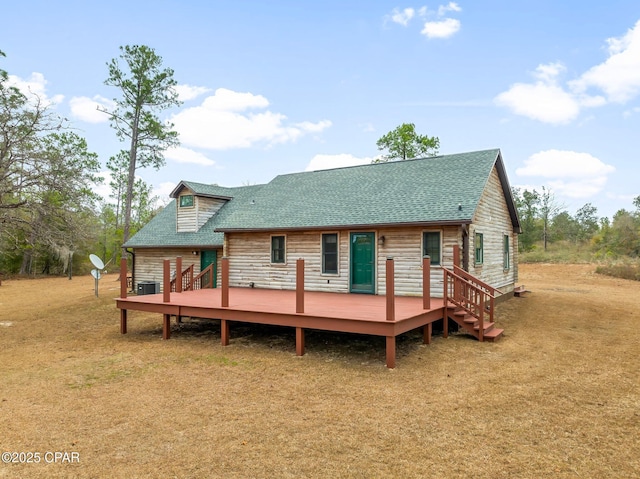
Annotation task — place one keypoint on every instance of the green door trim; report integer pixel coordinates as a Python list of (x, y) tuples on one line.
[(362, 265)]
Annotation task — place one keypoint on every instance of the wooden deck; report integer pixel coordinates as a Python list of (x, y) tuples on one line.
[(352, 313), (467, 301)]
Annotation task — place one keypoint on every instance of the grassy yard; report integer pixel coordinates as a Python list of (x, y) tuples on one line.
[(557, 397)]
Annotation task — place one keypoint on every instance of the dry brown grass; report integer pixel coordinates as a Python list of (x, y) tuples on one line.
[(557, 397)]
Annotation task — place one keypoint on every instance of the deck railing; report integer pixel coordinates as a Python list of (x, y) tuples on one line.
[(204, 279), (187, 280), (476, 282), (470, 296)]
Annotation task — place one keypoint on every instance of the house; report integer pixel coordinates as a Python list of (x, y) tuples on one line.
[(344, 223)]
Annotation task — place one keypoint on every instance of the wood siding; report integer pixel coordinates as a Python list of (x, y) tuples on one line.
[(493, 221), (191, 219), (150, 263), (250, 260)]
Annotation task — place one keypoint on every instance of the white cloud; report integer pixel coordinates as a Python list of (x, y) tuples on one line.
[(540, 101), (189, 92), (185, 155), (568, 173), (326, 162), (103, 189), (162, 192), (619, 75), (441, 29), (35, 87), (86, 109), (548, 101), (450, 7), (221, 122), (402, 17)]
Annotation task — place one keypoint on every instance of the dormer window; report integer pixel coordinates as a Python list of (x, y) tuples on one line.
[(186, 201)]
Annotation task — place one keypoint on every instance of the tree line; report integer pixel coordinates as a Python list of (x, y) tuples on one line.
[(545, 221), (50, 214)]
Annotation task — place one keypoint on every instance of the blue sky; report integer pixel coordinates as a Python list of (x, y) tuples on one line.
[(284, 86)]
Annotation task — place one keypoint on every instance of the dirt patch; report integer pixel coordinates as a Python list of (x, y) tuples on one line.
[(557, 397)]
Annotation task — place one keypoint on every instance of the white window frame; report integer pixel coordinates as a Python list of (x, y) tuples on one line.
[(322, 271)]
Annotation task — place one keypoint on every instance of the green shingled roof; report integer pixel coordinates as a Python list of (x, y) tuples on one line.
[(405, 192), (161, 230), (441, 189)]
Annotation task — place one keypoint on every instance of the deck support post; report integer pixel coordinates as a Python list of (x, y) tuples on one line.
[(225, 282), (123, 321), (166, 286), (123, 277), (390, 290), (391, 352), (179, 274), (428, 329), (426, 282), (300, 286), (166, 326), (224, 332), (299, 342)]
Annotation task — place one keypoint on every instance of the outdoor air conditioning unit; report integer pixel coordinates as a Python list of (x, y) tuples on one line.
[(148, 287)]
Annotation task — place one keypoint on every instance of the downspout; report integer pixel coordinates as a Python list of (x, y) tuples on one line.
[(133, 267)]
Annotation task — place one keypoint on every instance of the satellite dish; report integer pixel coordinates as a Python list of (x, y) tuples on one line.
[(96, 273), (96, 261)]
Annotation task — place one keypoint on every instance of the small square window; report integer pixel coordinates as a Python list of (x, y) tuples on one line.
[(186, 201), (277, 249)]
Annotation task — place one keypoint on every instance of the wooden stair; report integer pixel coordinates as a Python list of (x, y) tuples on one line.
[(520, 291), (471, 324)]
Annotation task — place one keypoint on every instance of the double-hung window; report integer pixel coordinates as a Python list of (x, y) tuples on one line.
[(479, 247), (330, 253), (278, 252), (431, 246)]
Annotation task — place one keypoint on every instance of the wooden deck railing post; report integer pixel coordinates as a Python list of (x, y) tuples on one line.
[(179, 274), (123, 277), (456, 262), (166, 287), (481, 325), (426, 282), (123, 294), (225, 282), (390, 290), (300, 285), (445, 320)]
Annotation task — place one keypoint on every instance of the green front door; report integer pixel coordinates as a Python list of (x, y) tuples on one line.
[(208, 257), (362, 268)]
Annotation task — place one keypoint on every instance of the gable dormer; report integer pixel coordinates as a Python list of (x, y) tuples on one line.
[(195, 205)]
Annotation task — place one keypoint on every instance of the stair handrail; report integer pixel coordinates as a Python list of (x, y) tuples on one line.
[(468, 296), (197, 281), (187, 279), (471, 278)]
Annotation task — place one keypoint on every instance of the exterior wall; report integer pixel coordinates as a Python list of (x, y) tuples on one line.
[(149, 263), (493, 221), (250, 260), (191, 219)]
